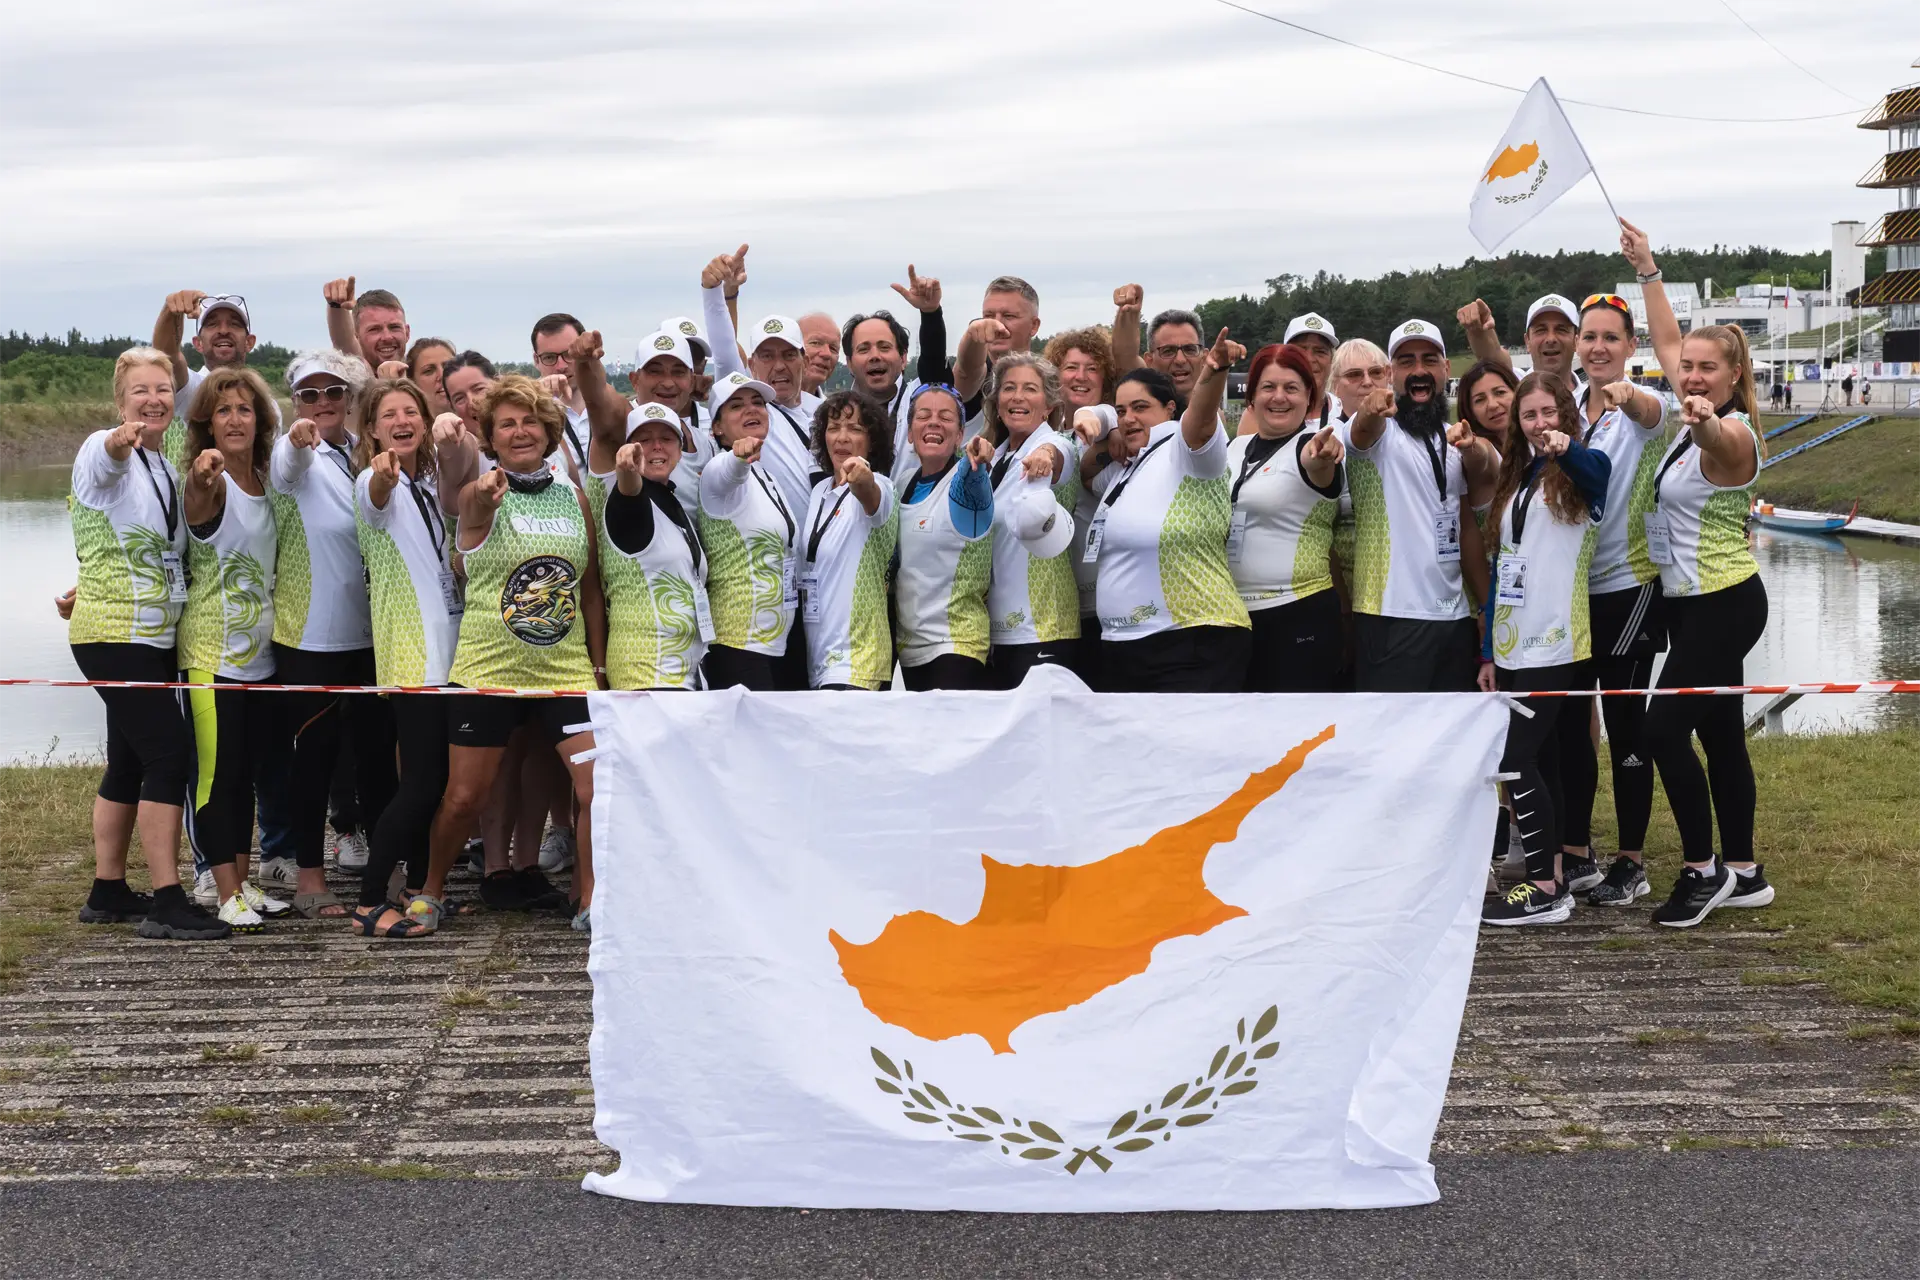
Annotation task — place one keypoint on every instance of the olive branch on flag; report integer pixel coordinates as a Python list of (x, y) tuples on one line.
[(1184, 1106)]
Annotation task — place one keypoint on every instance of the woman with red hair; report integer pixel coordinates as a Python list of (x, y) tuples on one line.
[(1285, 484)]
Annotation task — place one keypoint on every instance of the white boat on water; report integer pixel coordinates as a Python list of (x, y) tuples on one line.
[(1768, 516)]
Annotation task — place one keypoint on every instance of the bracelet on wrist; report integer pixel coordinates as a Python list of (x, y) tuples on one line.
[(1649, 277)]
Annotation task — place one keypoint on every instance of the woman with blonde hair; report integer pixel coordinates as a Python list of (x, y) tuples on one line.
[(129, 535), (1696, 533)]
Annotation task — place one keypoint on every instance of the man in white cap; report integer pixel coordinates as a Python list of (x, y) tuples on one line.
[(1313, 333), (689, 328), (664, 373), (1416, 485), (223, 338), (1553, 325)]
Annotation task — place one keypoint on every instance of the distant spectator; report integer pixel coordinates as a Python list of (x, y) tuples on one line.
[(1779, 393), (1846, 388), (1866, 392), (1789, 397)]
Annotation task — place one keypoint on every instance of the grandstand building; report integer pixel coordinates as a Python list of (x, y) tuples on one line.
[(1898, 289)]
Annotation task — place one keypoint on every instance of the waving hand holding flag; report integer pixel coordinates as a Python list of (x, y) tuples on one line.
[(1539, 160)]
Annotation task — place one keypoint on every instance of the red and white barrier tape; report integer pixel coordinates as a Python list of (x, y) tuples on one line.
[(1860, 686)]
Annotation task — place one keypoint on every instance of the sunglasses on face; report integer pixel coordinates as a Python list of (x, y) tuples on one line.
[(313, 395)]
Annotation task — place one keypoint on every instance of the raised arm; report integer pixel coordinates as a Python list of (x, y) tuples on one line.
[(170, 327), (206, 495), (340, 295), (1371, 420), (924, 293), (1661, 326), (1202, 418), (606, 407), (1727, 443), (970, 368), (1642, 405), (1128, 300), (1477, 319), (1480, 462), (859, 479), (479, 500), (717, 294)]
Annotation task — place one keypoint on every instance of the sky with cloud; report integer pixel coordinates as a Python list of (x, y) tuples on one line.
[(492, 161)]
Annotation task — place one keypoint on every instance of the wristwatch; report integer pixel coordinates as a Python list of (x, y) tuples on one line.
[(1649, 278)]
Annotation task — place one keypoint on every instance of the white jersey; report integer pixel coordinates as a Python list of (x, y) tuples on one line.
[(130, 534), (1540, 616), (416, 600), (227, 626), (749, 533), (1406, 514), (940, 591), (843, 585), (1706, 523), (899, 410), (656, 595), (1160, 539), (788, 453), (320, 589), (1280, 541), (1620, 560), (1032, 601), (693, 460)]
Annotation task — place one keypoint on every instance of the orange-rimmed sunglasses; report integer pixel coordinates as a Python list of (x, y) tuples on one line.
[(1613, 300)]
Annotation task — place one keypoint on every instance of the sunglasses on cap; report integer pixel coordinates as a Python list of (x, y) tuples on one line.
[(1613, 300), (222, 302), (313, 395)]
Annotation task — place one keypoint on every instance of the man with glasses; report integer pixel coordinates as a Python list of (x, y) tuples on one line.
[(1175, 342), (224, 338), (1553, 327), (553, 333), (371, 325)]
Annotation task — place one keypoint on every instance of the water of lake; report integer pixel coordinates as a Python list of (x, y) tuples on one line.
[(1841, 609)]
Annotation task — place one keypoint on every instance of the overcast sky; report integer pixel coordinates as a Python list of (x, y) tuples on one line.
[(492, 161)]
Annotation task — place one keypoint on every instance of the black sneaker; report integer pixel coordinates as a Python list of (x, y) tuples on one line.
[(502, 891), (540, 892), (1528, 903), (1582, 870), (1624, 884), (112, 902), (1694, 897), (173, 915), (1750, 891)]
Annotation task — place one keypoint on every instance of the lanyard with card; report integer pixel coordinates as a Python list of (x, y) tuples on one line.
[(810, 595), (703, 612), (1446, 536), (1236, 535), (1659, 532), (171, 566), (1512, 570), (1097, 531)]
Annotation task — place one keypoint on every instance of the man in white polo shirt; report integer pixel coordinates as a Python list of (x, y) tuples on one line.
[(1313, 333), (223, 338), (1553, 327), (1418, 553), (553, 334)]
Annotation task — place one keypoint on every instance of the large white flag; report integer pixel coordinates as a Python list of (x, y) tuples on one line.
[(1539, 160), (1043, 950)]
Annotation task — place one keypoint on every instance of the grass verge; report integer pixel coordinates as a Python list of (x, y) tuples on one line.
[(1877, 465), (46, 857), (1839, 832)]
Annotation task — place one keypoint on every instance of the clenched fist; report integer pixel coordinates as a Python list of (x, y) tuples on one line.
[(1129, 297), (185, 302)]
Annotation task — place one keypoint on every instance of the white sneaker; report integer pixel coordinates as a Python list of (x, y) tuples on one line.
[(350, 852), (205, 892), (279, 873), (557, 851), (244, 919), (261, 904)]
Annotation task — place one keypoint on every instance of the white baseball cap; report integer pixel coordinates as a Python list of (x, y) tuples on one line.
[(1044, 528), (1312, 323), (689, 328), (351, 370), (785, 328), (1554, 302), (663, 342), (225, 302), (653, 411), (725, 389), (1416, 331)]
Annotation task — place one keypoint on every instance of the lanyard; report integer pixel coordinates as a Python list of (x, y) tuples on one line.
[(436, 527), (1113, 494), (1000, 468), (1524, 499), (669, 506), (773, 496), (794, 422), (820, 526), (169, 505), (1255, 456), (1439, 461), (893, 410), (573, 438), (339, 460)]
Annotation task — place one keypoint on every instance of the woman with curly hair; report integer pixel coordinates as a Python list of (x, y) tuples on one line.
[(1547, 504), (1032, 600), (847, 539), (226, 632), (1084, 358)]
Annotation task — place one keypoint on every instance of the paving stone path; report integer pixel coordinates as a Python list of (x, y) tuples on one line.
[(309, 1050)]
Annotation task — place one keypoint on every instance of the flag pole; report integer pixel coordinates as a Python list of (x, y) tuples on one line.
[(1591, 167)]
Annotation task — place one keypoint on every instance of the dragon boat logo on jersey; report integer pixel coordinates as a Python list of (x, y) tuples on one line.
[(1517, 162), (539, 602)]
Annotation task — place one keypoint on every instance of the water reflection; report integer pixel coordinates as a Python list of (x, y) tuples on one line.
[(1840, 609)]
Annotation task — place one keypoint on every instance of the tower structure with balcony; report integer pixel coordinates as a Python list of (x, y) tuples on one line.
[(1898, 289)]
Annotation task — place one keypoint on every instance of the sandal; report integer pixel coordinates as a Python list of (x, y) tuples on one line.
[(314, 905), (366, 922)]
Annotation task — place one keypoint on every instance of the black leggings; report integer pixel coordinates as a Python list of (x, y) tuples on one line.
[(946, 671), (313, 723), (1008, 664), (420, 723), (1710, 637), (149, 750), (1297, 647), (1182, 660), (1629, 630), (1534, 752), (232, 732), (725, 667)]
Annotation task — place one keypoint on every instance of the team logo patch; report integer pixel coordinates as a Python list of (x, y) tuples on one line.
[(655, 413), (1314, 322), (540, 601), (1414, 326), (689, 328), (772, 326), (663, 343)]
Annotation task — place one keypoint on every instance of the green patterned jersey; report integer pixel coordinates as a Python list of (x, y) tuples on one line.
[(523, 626), (405, 548), (748, 532), (1403, 488), (320, 587), (845, 556), (227, 626), (119, 514), (1706, 522), (653, 596)]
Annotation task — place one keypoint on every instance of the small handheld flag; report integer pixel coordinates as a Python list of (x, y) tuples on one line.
[(1539, 160)]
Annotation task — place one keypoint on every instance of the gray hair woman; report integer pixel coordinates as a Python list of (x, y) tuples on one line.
[(1033, 602)]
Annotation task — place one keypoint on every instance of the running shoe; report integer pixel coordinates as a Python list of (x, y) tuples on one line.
[(583, 921), (350, 852), (205, 892), (279, 873), (241, 918), (557, 850), (540, 892), (1582, 870), (1528, 903), (1694, 897), (173, 917), (1750, 891), (112, 902), (267, 908), (1625, 883)]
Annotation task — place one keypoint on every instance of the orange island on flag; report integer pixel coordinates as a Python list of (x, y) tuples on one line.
[(1047, 938), (1513, 162)]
